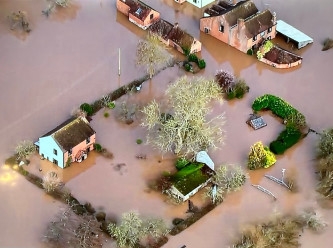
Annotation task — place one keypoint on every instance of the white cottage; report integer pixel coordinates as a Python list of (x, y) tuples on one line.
[(71, 141)]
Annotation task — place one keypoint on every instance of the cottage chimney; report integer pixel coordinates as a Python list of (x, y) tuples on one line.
[(274, 18), (240, 24)]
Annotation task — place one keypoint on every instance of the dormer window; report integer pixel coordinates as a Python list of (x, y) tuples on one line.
[(70, 151), (138, 11), (269, 29), (88, 140), (254, 38)]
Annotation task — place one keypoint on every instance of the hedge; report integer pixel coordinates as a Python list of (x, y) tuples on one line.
[(286, 139)]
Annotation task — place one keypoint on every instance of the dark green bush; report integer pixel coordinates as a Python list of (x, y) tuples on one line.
[(97, 147), (181, 163), (286, 139), (106, 114), (139, 141), (250, 51), (193, 58), (240, 89), (231, 95), (186, 51), (187, 67), (86, 107), (201, 64)]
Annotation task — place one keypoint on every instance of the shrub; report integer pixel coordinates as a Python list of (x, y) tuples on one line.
[(187, 67), (202, 64), (240, 89), (193, 58), (111, 105), (98, 147), (260, 156), (86, 107), (325, 145), (250, 51), (186, 51), (106, 114), (51, 181), (181, 163), (225, 79), (139, 141), (286, 139)]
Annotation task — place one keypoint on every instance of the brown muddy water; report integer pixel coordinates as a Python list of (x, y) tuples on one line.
[(72, 57)]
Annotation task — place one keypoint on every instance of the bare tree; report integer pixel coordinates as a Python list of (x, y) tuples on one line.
[(132, 230), (182, 125), (51, 181), (152, 55), (19, 19), (24, 149), (71, 230), (227, 178), (53, 4)]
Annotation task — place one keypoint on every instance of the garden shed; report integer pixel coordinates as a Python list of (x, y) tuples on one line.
[(256, 122)]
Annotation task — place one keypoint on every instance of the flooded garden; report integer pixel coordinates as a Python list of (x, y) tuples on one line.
[(71, 57)]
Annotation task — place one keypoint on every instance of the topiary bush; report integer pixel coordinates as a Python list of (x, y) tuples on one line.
[(86, 107), (286, 139), (201, 64), (193, 58)]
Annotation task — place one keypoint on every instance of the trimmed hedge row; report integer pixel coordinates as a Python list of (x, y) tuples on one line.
[(293, 119), (286, 139), (278, 106)]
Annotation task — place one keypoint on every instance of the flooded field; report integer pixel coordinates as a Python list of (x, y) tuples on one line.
[(72, 57)]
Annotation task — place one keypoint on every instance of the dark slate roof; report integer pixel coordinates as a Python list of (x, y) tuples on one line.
[(161, 28), (258, 23), (138, 8), (243, 9), (172, 32), (71, 132), (180, 37)]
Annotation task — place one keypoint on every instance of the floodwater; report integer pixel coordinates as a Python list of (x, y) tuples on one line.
[(72, 57)]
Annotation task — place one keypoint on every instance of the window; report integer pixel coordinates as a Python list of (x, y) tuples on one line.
[(269, 30), (42, 155), (55, 161), (70, 151), (88, 140), (151, 16), (268, 38), (206, 30), (262, 34), (194, 1), (138, 11), (221, 28), (55, 152), (254, 38)]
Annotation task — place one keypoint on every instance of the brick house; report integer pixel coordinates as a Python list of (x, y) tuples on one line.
[(138, 13), (70, 142), (197, 3), (240, 25), (174, 36)]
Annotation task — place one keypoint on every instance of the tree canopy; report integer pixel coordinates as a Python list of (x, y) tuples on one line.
[(152, 55), (182, 125)]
